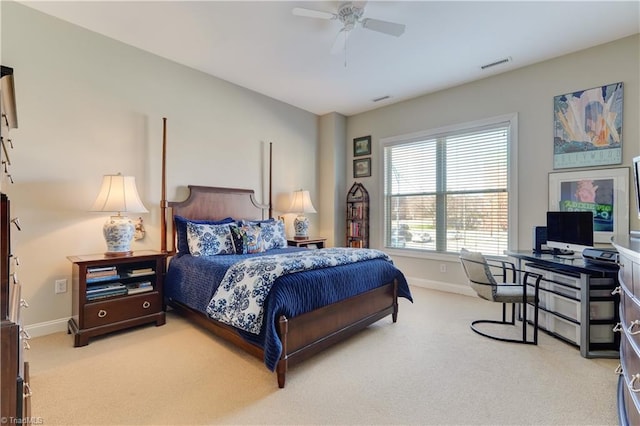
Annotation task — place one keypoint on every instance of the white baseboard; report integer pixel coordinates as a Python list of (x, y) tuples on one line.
[(442, 286), (56, 326), (48, 327)]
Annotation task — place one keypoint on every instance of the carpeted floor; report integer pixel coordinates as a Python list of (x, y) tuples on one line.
[(428, 368)]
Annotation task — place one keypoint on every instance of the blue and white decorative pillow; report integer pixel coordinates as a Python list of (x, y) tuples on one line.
[(181, 230), (273, 234), (209, 240), (252, 239)]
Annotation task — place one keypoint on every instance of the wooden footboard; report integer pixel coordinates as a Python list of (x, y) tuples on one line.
[(306, 335)]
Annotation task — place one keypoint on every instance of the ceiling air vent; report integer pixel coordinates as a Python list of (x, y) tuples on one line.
[(495, 63), (381, 98)]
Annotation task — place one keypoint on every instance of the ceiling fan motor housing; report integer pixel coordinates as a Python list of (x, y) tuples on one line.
[(349, 15)]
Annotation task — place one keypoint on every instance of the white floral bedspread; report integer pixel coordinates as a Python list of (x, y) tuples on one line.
[(239, 299)]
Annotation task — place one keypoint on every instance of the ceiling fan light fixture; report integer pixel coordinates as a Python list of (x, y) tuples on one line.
[(350, 14)]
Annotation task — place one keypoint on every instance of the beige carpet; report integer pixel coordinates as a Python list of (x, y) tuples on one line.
[(428, 368)]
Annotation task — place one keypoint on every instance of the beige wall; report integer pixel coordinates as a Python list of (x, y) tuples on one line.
[(528, 92), (89, 106)]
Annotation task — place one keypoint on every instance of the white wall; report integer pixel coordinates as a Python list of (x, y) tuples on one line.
[(89, 106), (528, 92)]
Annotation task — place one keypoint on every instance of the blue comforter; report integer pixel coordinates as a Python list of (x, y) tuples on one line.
[(192, 281)]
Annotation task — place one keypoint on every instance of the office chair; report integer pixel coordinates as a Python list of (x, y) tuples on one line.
[(481, 273)]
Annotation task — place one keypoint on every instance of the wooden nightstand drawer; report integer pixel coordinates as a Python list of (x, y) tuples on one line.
[(120, 309)]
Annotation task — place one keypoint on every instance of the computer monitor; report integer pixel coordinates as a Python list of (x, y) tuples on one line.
[(569, 231)]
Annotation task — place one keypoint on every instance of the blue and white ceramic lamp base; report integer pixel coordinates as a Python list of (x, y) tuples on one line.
[(118, 233), (301, 226)]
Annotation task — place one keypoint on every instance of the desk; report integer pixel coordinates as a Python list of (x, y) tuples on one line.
[(576, 304)]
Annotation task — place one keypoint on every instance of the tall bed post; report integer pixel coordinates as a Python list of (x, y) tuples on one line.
[(164, 204), (270, 179), (163, 195)]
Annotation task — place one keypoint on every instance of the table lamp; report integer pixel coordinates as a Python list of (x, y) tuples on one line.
[(301, 204), (118, 194)]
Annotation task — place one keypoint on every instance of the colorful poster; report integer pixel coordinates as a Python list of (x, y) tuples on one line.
[(590, 195), (588, 127)]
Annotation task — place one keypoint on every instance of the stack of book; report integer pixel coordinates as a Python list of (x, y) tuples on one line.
[(137, 272), (98, 274), (139, 287), (102, 291)]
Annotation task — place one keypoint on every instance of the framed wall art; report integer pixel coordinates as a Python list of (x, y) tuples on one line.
[(362, 146), (603, 192), (362, 168), (587, 127)]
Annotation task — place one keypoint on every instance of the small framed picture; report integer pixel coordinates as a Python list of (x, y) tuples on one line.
[(362, 167), (362, 146)]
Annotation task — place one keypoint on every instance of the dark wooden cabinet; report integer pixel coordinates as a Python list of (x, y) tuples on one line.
[(115, 293), (629, 330), (358, 217), (14, 378)]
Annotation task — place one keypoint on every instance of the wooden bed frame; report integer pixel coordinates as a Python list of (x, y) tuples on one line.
[(301, 336)]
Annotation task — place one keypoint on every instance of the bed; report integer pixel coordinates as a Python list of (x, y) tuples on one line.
[(304, 312)]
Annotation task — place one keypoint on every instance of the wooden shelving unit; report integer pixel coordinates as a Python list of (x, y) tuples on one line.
[(358, 217)]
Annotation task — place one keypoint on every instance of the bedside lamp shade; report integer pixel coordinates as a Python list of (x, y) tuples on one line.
[(301, 203), (118, 194)]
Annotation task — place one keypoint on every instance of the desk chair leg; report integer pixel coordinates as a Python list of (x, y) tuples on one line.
[(512, 321)]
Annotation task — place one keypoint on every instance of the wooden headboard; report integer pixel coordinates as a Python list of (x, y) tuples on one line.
[(207, 203), (211, 203)]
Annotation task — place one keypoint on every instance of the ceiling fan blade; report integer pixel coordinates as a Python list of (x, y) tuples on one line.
[(340, 42), (385, 27), (310, 13)]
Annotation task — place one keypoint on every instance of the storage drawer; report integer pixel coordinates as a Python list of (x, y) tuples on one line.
[(564, 328), (636, 278), (601, 333), (631, 405), (625, 274), (573, 293), (566, 280), (563, 306), (602, 310), (559, 326), (630, 316), (120, 309)]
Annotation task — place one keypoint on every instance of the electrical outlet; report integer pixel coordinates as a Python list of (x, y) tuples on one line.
[(61, 286), (443, 267)]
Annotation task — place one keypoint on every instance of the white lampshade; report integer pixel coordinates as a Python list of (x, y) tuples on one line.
[(301, 204), (118, 194)]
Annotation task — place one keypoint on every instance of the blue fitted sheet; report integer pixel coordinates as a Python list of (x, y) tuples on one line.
[(192, 281)]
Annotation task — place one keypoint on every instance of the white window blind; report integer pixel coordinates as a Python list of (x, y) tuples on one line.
[(448, 191)]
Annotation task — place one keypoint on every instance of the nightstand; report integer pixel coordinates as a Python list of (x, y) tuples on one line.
[(311, 242), (115, 293)]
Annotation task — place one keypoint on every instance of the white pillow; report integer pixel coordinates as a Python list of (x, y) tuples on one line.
[(209, 240)]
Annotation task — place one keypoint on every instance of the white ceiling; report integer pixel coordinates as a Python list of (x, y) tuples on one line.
[(262, 46)]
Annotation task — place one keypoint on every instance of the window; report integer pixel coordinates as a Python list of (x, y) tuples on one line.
[(449, 189)]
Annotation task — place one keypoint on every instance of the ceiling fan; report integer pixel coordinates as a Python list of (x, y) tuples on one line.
[(350, 14)]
